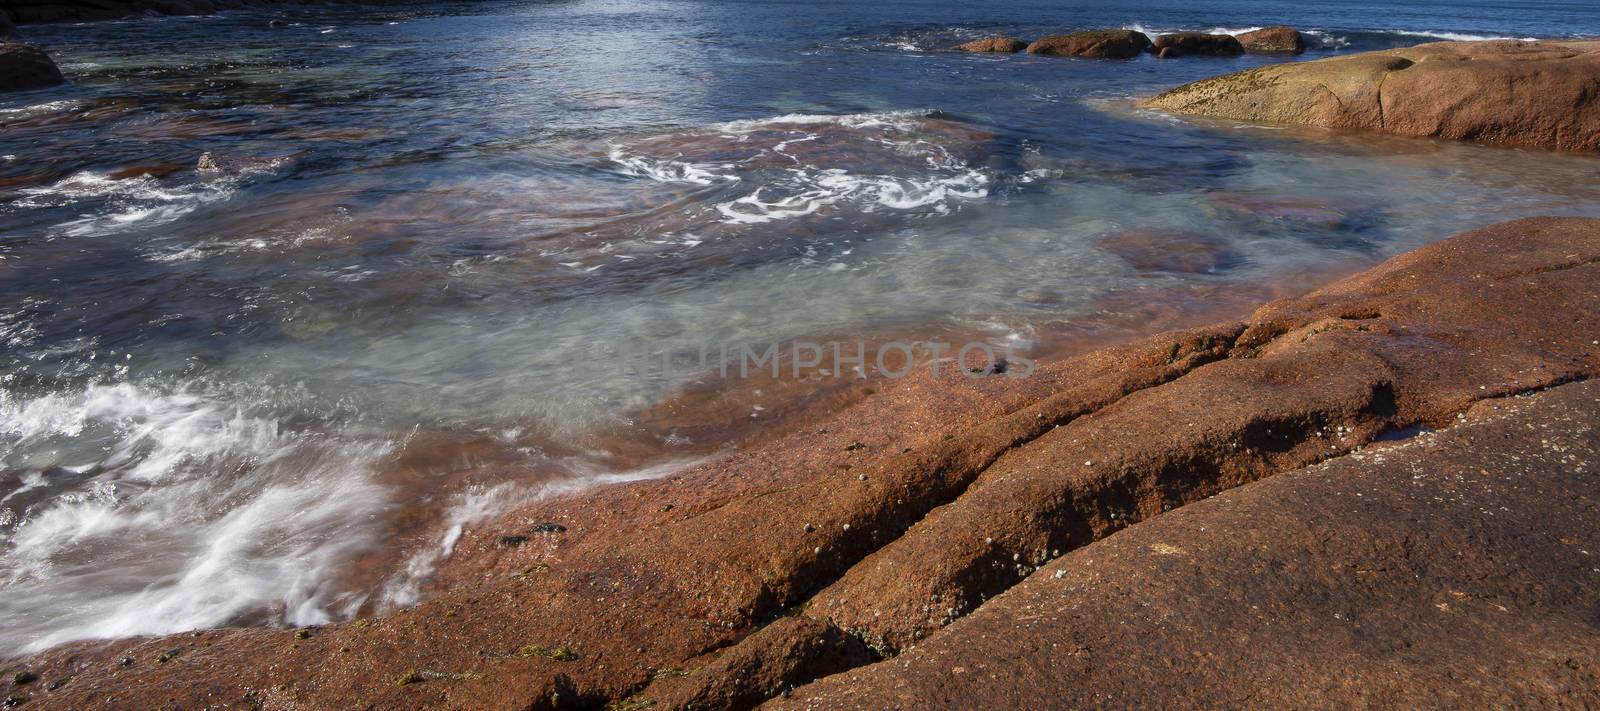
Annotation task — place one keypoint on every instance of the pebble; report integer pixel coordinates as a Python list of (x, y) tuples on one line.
[(810, 528)]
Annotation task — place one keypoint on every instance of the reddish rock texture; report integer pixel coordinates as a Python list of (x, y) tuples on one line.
[(1093, 44), (1536, 94), (1456, 570), (1272, 40), (1002, 45), (733, 580)]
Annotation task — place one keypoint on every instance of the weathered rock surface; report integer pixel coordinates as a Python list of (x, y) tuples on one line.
[(24, 66), (1004, 45), (911, 508), (1456, 570), (1537, 94), (1272, 40), (1181, 44), (1093, 44)]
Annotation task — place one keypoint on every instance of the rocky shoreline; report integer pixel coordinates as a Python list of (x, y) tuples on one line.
[(1393, 476), (876, 535), (1512, 93)]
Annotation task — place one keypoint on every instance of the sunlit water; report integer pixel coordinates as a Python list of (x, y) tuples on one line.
[(273, 392)]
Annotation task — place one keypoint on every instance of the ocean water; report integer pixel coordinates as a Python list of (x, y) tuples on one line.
[(274, 392)]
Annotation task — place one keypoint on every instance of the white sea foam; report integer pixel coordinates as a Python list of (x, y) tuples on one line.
[(1460, 36), (186, 512), (666, 171), (919, 172), (141, 201), (902, 120)]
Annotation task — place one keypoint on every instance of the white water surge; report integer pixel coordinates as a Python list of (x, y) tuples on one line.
[(178, 511)]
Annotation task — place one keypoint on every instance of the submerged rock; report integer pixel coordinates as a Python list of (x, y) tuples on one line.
[(1002, 45), (1534, 94), (24, 66), (1273, 40), (1181, 44), (1093, 44), (1158, 250)]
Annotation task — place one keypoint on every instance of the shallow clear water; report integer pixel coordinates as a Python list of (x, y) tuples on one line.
[(268, 393)]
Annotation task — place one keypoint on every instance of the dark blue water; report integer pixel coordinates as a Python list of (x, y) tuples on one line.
[(431, 228)]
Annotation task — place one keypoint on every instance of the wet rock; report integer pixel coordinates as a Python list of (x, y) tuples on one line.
[(1160, 250), (1093, 44), (212, 164), (1534, 94), (24, 677), (1183, 44), (1002, 45), (24, 66), (156, 170), (1273, 40)]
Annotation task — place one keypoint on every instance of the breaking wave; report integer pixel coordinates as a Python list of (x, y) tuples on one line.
[(127, 510)]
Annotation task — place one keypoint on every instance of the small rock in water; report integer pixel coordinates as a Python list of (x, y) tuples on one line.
[(24, 66), (994, 45), (1198, 43), (1272, 40), (1093, 44)]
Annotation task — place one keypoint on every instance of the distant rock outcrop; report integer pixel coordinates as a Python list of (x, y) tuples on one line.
[(1001, 45), (1179, 44), (1093, 44), (1272, 40), (1535, 94)]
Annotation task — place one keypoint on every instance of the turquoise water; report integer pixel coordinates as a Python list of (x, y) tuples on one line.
[(433, 228)]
